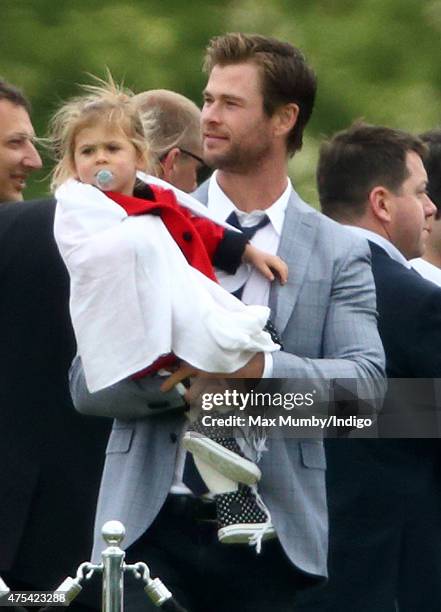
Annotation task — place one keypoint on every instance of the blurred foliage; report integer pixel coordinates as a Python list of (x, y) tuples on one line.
[(376, 59)]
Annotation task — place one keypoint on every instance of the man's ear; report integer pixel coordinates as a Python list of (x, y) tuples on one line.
[(168, 163), (142, 162), (285, 119), (380, 204)]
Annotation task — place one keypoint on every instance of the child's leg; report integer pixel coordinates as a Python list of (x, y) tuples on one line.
[(241, 514), (223, 454), (243, 518), (216, 482)]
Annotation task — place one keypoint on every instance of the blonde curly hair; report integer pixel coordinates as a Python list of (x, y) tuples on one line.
[(103, 103)]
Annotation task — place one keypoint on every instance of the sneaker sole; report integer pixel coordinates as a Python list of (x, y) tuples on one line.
[(242, 533), (226, 462)]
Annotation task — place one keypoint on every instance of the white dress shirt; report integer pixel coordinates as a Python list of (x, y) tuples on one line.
[(427, 270), (267, 238), (257, 287), (385, 244)]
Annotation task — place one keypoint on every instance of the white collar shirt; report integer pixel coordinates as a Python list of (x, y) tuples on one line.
[(427, 270), (267, 238), (385, 244)]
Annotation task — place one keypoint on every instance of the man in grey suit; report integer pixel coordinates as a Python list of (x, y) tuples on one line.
[(258, 99)]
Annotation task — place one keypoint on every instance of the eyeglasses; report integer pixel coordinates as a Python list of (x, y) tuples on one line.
[(203, 172), (196, 157)]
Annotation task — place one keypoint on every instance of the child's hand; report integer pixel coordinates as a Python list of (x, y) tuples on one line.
[(185, 370), (267, 264)]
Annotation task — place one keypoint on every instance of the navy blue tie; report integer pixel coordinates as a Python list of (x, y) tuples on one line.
[(248, 232)]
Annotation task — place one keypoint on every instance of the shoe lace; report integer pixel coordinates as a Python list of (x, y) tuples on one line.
[(257, 538), (252, 441)]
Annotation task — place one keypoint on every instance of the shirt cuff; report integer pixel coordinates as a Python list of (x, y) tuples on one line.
[(268, 365)]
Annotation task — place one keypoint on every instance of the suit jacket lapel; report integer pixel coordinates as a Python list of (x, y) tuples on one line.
[(296, 243), (201, 193)]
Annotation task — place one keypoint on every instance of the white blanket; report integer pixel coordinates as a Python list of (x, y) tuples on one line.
[(134, 297)]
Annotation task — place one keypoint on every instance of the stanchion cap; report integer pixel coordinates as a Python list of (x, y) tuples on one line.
[(113, 532)]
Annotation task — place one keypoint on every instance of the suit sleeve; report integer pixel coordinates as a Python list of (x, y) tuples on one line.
[(128, 399), (351, 345)]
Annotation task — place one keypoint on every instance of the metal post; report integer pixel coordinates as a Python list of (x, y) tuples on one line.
[(4, 589), (112, 568), (113, 533)]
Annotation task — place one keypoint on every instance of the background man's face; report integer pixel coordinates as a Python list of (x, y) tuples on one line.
[(412, 210), (237, 134), (18, 155), (434, 240), (186, 167)]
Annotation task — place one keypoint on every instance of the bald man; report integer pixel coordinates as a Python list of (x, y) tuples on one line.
[(175, 137)]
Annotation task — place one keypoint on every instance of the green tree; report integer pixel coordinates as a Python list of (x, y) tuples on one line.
[(375, 59)]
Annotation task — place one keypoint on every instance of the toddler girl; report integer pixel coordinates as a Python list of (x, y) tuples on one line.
[(136, 303)]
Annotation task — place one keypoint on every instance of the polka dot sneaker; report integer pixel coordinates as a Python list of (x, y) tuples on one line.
[(243, 518), (223, 455)]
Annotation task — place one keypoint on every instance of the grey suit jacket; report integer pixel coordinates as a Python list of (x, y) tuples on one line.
[(326, 315)]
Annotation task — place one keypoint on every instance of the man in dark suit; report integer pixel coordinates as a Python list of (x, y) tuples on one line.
[(50, 457), (429, 265), (18, 155), (384, 495)]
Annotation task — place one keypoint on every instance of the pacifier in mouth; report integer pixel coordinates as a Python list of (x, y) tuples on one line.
[(103, 179)]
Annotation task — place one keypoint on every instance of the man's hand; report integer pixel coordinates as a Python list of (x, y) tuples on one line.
[(252, 369)]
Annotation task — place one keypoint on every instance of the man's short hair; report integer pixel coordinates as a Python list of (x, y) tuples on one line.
[(14, 95), (432, 163), (175, 121), (286, 77), (356, 160)]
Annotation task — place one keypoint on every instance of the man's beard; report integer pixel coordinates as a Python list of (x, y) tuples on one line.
[(239, 159)]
